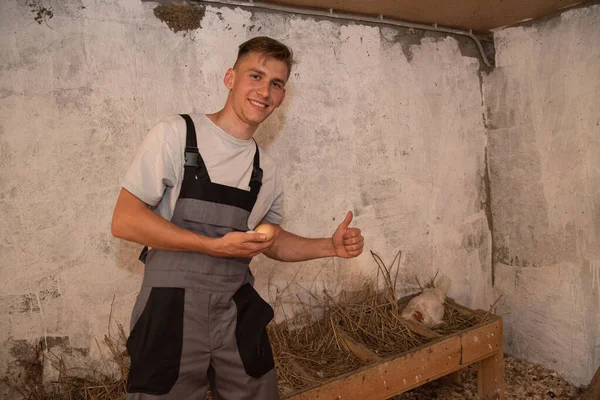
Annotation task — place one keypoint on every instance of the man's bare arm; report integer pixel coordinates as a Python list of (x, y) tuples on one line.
[(135, 222), (345, 243)]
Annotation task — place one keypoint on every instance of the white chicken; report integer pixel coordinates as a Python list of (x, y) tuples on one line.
[(428, 307)]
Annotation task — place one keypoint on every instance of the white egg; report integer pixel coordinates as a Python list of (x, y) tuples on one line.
[(267, 229)]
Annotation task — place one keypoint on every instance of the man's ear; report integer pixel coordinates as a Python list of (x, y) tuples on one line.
[(229, 78)]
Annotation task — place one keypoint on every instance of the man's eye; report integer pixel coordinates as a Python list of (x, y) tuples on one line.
[(254, 76), (277, 85)]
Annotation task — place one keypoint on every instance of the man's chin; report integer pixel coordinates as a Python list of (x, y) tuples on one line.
[(259, 119)]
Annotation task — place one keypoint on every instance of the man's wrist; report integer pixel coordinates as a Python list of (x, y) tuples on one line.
[(204, 244), (329, 248)]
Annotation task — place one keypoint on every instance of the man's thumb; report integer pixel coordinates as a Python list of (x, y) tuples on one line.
[(254, 236), (346, 222)]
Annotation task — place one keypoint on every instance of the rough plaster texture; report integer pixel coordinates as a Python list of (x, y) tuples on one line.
[(543, 122), (390, 130)]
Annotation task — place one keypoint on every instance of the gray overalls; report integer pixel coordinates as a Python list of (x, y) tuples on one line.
[(197, 318)]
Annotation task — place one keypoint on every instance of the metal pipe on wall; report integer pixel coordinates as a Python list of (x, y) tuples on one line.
[(352, 17)]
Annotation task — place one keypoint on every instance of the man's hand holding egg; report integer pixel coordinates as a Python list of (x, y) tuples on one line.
[(245, 244)]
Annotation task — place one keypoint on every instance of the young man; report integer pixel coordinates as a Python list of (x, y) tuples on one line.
[(197, 317)]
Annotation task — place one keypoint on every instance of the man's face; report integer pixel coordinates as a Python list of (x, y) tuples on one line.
[(257, 87)]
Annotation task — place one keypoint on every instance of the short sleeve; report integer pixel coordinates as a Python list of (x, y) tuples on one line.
[(153, 169), (275, 213)]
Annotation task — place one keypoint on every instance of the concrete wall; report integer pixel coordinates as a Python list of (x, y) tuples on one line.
[(543, 120), (385, 122)]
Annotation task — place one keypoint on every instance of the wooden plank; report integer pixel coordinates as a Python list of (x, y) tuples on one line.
[(404, 300), (409, 370), (304, 376), (490, 377), (387, 379), (467, 312), (490, 371), (359, 350), (421, 329), (487, 339), (593, 390)]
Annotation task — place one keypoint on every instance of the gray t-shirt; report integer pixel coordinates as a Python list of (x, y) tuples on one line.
[(156, 173)]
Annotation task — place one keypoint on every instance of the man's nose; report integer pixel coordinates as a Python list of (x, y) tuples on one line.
[(264, 90)]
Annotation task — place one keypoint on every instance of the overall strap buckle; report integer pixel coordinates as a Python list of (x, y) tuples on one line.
[(191, 157), (194, 164)]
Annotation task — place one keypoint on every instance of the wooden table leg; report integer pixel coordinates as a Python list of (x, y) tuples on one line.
[(490, 377), (456, 377)]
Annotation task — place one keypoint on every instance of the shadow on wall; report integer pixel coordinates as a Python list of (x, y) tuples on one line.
[(127, 257), (274, 126)]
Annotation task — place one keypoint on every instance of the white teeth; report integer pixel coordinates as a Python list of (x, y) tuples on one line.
[(257, 104)]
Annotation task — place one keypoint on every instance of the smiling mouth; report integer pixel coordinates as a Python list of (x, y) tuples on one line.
[(258, 104)]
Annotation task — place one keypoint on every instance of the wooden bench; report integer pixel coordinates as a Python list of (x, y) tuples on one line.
[(385, 377)]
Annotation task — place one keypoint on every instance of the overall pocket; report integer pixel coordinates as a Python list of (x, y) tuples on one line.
[(253, 315), (211, 219), (156, 341)]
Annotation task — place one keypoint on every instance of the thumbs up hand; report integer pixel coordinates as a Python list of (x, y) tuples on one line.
[(347, 242)]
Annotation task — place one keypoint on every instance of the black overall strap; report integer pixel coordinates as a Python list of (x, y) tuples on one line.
[(257, 173), (194, 166), (143, 255)]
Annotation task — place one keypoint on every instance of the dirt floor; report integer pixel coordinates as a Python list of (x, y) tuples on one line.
[(523, 380)]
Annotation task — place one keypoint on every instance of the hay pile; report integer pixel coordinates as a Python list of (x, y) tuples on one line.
[(455, 321), (73, 384), (373, 320), (309, 354)]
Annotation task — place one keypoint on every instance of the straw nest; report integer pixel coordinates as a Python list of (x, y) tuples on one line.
[(310, 354)]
